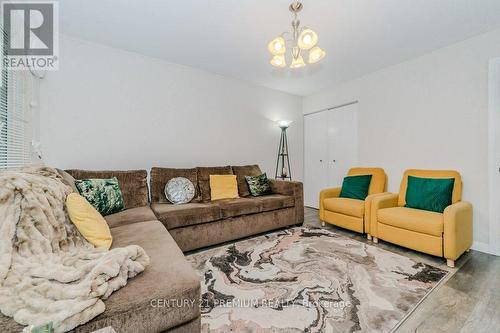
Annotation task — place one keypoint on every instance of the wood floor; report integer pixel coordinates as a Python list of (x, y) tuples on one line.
[(468, 301)]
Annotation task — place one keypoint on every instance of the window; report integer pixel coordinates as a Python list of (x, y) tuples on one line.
[(15, 124)]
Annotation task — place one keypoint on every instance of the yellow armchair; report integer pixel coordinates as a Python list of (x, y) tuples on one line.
[(348, 213), (447, 234)]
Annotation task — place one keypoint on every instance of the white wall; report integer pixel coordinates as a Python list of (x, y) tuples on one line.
[(110, 109), (429, 112)]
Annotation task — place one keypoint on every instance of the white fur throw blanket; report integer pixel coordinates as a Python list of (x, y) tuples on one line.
[(48, 271)]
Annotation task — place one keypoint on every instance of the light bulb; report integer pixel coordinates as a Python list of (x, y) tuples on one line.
[(278, 61), (307, 39), (277, 46), (316, 54), (284, 123), (297, 62)]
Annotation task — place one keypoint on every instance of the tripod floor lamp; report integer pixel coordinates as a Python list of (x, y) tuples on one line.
[(283, 160)]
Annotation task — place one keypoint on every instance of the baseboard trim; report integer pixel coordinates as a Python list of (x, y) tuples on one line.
[(483, 247)]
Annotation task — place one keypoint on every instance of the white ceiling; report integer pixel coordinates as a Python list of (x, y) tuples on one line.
[(229, 37)]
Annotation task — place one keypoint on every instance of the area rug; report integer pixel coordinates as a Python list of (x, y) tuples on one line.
[(308, 280)]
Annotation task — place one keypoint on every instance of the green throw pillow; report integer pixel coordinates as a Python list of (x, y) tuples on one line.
[(258, 185), (356, 187), (433, 194), (103, 194)]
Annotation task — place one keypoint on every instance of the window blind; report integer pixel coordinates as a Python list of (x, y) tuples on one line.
[(15, 124)]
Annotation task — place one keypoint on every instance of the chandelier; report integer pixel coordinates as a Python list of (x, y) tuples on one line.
[(300, 40)]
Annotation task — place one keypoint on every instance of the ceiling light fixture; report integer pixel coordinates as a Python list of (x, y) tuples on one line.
[(301, 39)]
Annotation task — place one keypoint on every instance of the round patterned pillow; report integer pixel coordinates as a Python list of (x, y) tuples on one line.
[(179, 190)]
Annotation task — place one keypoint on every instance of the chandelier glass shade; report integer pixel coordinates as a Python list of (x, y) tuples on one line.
[(278, 61), (316, 54), (277, 46), (299, 40)]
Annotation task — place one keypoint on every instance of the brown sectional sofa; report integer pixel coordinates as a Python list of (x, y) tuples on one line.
[(134, 308), (141, 305), (203, 222)]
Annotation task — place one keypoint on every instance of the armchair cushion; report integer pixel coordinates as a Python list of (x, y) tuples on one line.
[(432, 194), (422, 221), (378, 182), (457, 186), (346, 206), (355, 187)]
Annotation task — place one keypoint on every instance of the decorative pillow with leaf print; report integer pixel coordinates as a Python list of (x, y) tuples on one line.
[(104, 194), (258, 185)]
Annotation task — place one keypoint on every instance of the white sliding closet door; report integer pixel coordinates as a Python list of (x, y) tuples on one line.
[(342, 143), (330, 149), (315, 155)]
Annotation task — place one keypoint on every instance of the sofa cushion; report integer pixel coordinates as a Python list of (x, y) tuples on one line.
[(88, 221), (258, 185), (275, 201), (241, 172), (175, 216), (223, 187), (417, 220), (161, 176), (346, 206), (133, 184), (67, 179), (132, 215), (104, 194), (238, 207), (204, 178), (137, 306)]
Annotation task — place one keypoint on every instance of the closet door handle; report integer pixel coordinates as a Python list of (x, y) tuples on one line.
[(321, 161)]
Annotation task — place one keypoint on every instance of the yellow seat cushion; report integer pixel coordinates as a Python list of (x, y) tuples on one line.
[(88, 221), (223, 187), (422, 221), (347, 206)]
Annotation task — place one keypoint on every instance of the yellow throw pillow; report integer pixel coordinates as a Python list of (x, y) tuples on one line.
[(223, 187), (88, 221)]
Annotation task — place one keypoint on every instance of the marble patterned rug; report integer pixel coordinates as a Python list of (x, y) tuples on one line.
[(308, 280)]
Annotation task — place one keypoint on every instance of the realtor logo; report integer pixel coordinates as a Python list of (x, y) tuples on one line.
[(30, 35)]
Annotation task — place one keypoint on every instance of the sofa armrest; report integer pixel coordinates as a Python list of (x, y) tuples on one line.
[(295, 189), (368, 209), (325, 194), (457, 229), (382, 201)]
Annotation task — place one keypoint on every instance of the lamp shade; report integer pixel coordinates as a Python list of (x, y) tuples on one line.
[(284, 123), (278, 61), (277, 46), (316, 54), (307, 39)]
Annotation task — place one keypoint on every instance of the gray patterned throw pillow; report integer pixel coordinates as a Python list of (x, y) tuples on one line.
[(104, 194), (179, 190), (258, 185)]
